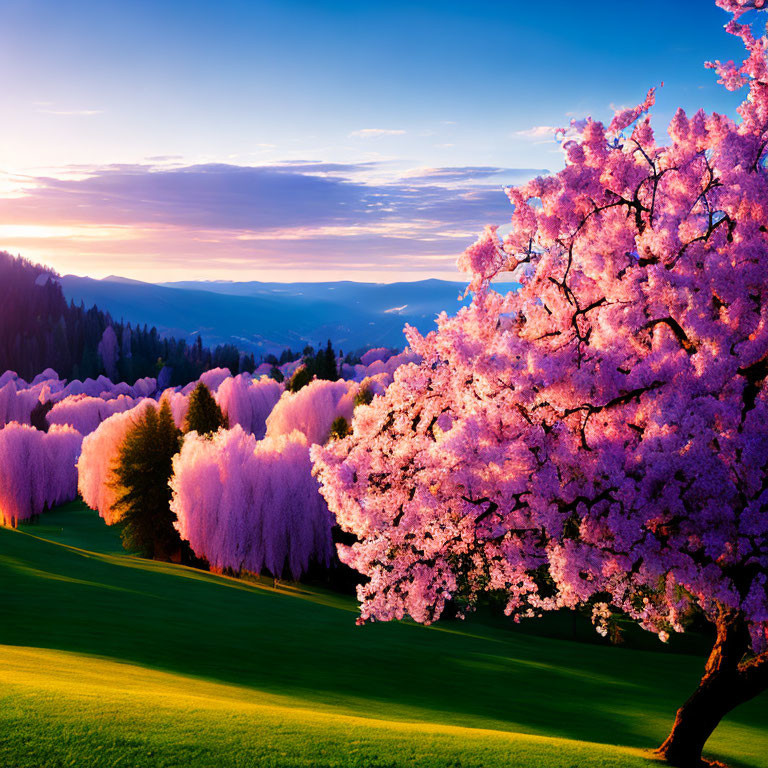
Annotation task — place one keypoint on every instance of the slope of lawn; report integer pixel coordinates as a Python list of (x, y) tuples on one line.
[(110, 660)]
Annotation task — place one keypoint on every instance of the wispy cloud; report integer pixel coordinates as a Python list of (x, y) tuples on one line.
[(164, 158), (223, 218), (254, 198), (474, 173), (72, 112), (538, 132), (373, 133)]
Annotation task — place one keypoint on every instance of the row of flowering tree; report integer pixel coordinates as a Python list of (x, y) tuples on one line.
[(599, 438), (227, 477), (38, 463)]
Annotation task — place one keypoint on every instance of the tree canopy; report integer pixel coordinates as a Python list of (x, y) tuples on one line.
[(248, 504), (598, 438)]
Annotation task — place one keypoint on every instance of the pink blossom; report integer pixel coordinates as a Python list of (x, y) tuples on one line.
[(312, 409), (213, 378), (607, 424), (85, 413), (248, 402), (37, 470), (248, 504), (372, 355)]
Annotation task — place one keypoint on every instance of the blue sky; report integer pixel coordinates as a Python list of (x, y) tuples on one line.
[(304, 140)]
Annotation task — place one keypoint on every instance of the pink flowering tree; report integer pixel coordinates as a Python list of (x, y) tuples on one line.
[(17, 401), (248, 504), (37, 470), (247, 401), (600, 437), (313, 409), (85, 413)]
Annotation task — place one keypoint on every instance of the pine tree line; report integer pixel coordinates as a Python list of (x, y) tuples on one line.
[(39, 330)]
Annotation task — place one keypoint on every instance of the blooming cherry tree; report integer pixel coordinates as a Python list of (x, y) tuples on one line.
[(37, 470), (85, 413), (248, 402), (312, 409), (598, 438), (250, 504)]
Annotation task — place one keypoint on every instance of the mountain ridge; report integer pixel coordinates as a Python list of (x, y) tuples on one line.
[(266, 317)]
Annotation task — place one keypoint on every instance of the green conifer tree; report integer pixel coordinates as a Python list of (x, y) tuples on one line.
[(204, 415), (364, 396), (330, 372), (301, 377), (339, 429), (143, 468)]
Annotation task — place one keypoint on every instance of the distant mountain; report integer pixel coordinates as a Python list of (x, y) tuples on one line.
[(267, 317), (39, 329)]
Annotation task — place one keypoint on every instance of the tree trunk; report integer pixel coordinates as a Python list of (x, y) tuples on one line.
[(728, 681)]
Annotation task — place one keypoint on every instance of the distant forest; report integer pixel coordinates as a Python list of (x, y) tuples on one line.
[(39, 330)]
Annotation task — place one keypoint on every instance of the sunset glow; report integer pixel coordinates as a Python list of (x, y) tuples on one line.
[(169, 140)]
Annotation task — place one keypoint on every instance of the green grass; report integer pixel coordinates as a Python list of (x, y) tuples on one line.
[(110, 660)]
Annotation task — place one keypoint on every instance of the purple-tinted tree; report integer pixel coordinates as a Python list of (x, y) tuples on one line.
[(599, 438), (312, 409), (108, 352), (248, 402), (250, 505), (85, 413), (37, 470)]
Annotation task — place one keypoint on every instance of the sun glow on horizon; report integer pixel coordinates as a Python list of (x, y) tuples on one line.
[(14, 232)]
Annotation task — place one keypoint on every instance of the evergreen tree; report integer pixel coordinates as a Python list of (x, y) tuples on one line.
[(247, 363), (39, 329), (301, 377), (204, 415), (364, 396), (144, 467), (320, 364), (328, 364), (339, 429), (38, 418)]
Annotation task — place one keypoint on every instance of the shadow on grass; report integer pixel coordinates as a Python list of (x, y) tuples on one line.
[(67, 585)]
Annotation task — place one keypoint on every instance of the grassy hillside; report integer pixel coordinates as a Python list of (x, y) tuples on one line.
[(109, 660)]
